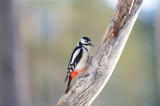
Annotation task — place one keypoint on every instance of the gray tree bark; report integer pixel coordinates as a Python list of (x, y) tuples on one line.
[(93, 80)]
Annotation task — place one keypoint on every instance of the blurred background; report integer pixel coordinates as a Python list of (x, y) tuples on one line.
[(37, 38)]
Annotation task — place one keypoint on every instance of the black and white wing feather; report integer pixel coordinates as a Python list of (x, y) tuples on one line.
[(75, 58)]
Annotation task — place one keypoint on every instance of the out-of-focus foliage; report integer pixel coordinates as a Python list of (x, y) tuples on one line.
[(50, 29)]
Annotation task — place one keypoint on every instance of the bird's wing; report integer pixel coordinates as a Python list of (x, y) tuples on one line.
[(75, 58)]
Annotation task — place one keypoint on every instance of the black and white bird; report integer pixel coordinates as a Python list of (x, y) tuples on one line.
[(79, 59)]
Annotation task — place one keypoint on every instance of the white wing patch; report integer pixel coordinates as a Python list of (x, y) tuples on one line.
[(83, 62), (75, 55)]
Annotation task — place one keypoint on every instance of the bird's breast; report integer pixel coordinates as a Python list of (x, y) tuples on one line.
[(83, 62)]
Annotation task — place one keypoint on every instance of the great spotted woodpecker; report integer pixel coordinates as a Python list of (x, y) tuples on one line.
[(79, 59)]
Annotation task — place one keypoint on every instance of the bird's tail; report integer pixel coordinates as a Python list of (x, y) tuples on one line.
[(69, 82), (66, 77)]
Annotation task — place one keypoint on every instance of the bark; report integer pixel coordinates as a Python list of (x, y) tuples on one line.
[(91, 83)]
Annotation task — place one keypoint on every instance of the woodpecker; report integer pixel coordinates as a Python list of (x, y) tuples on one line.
[(78, 60)]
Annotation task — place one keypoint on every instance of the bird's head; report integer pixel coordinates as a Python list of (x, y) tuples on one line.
[(86, 42)]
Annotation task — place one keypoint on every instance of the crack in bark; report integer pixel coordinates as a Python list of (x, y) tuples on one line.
[(87, 88)]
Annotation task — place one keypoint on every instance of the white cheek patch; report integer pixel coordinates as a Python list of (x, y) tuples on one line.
[(83, 41)]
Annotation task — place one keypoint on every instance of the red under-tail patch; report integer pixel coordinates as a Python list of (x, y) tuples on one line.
[(75, 72)]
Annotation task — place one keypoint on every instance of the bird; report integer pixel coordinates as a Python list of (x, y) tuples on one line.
[(79, 60)]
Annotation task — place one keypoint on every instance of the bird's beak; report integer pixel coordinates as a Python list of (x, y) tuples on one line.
[(90, 44)]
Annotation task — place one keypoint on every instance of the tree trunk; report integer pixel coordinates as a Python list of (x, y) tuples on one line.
[(8, 34), (87, 87), (14, 79)]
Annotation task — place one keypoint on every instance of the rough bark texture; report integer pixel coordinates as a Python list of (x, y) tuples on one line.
[(87, 87)]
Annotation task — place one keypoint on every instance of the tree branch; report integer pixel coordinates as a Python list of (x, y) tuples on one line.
[(87, 87)]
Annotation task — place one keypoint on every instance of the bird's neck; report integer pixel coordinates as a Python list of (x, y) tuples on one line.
[(79, 44), (86, 47)]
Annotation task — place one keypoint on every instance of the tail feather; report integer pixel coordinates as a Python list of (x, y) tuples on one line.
[(66, 78), (68, 86)]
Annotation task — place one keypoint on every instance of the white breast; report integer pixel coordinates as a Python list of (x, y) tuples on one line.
[(83, 62)]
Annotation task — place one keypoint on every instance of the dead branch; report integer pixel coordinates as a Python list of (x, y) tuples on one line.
[(87, 87)]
